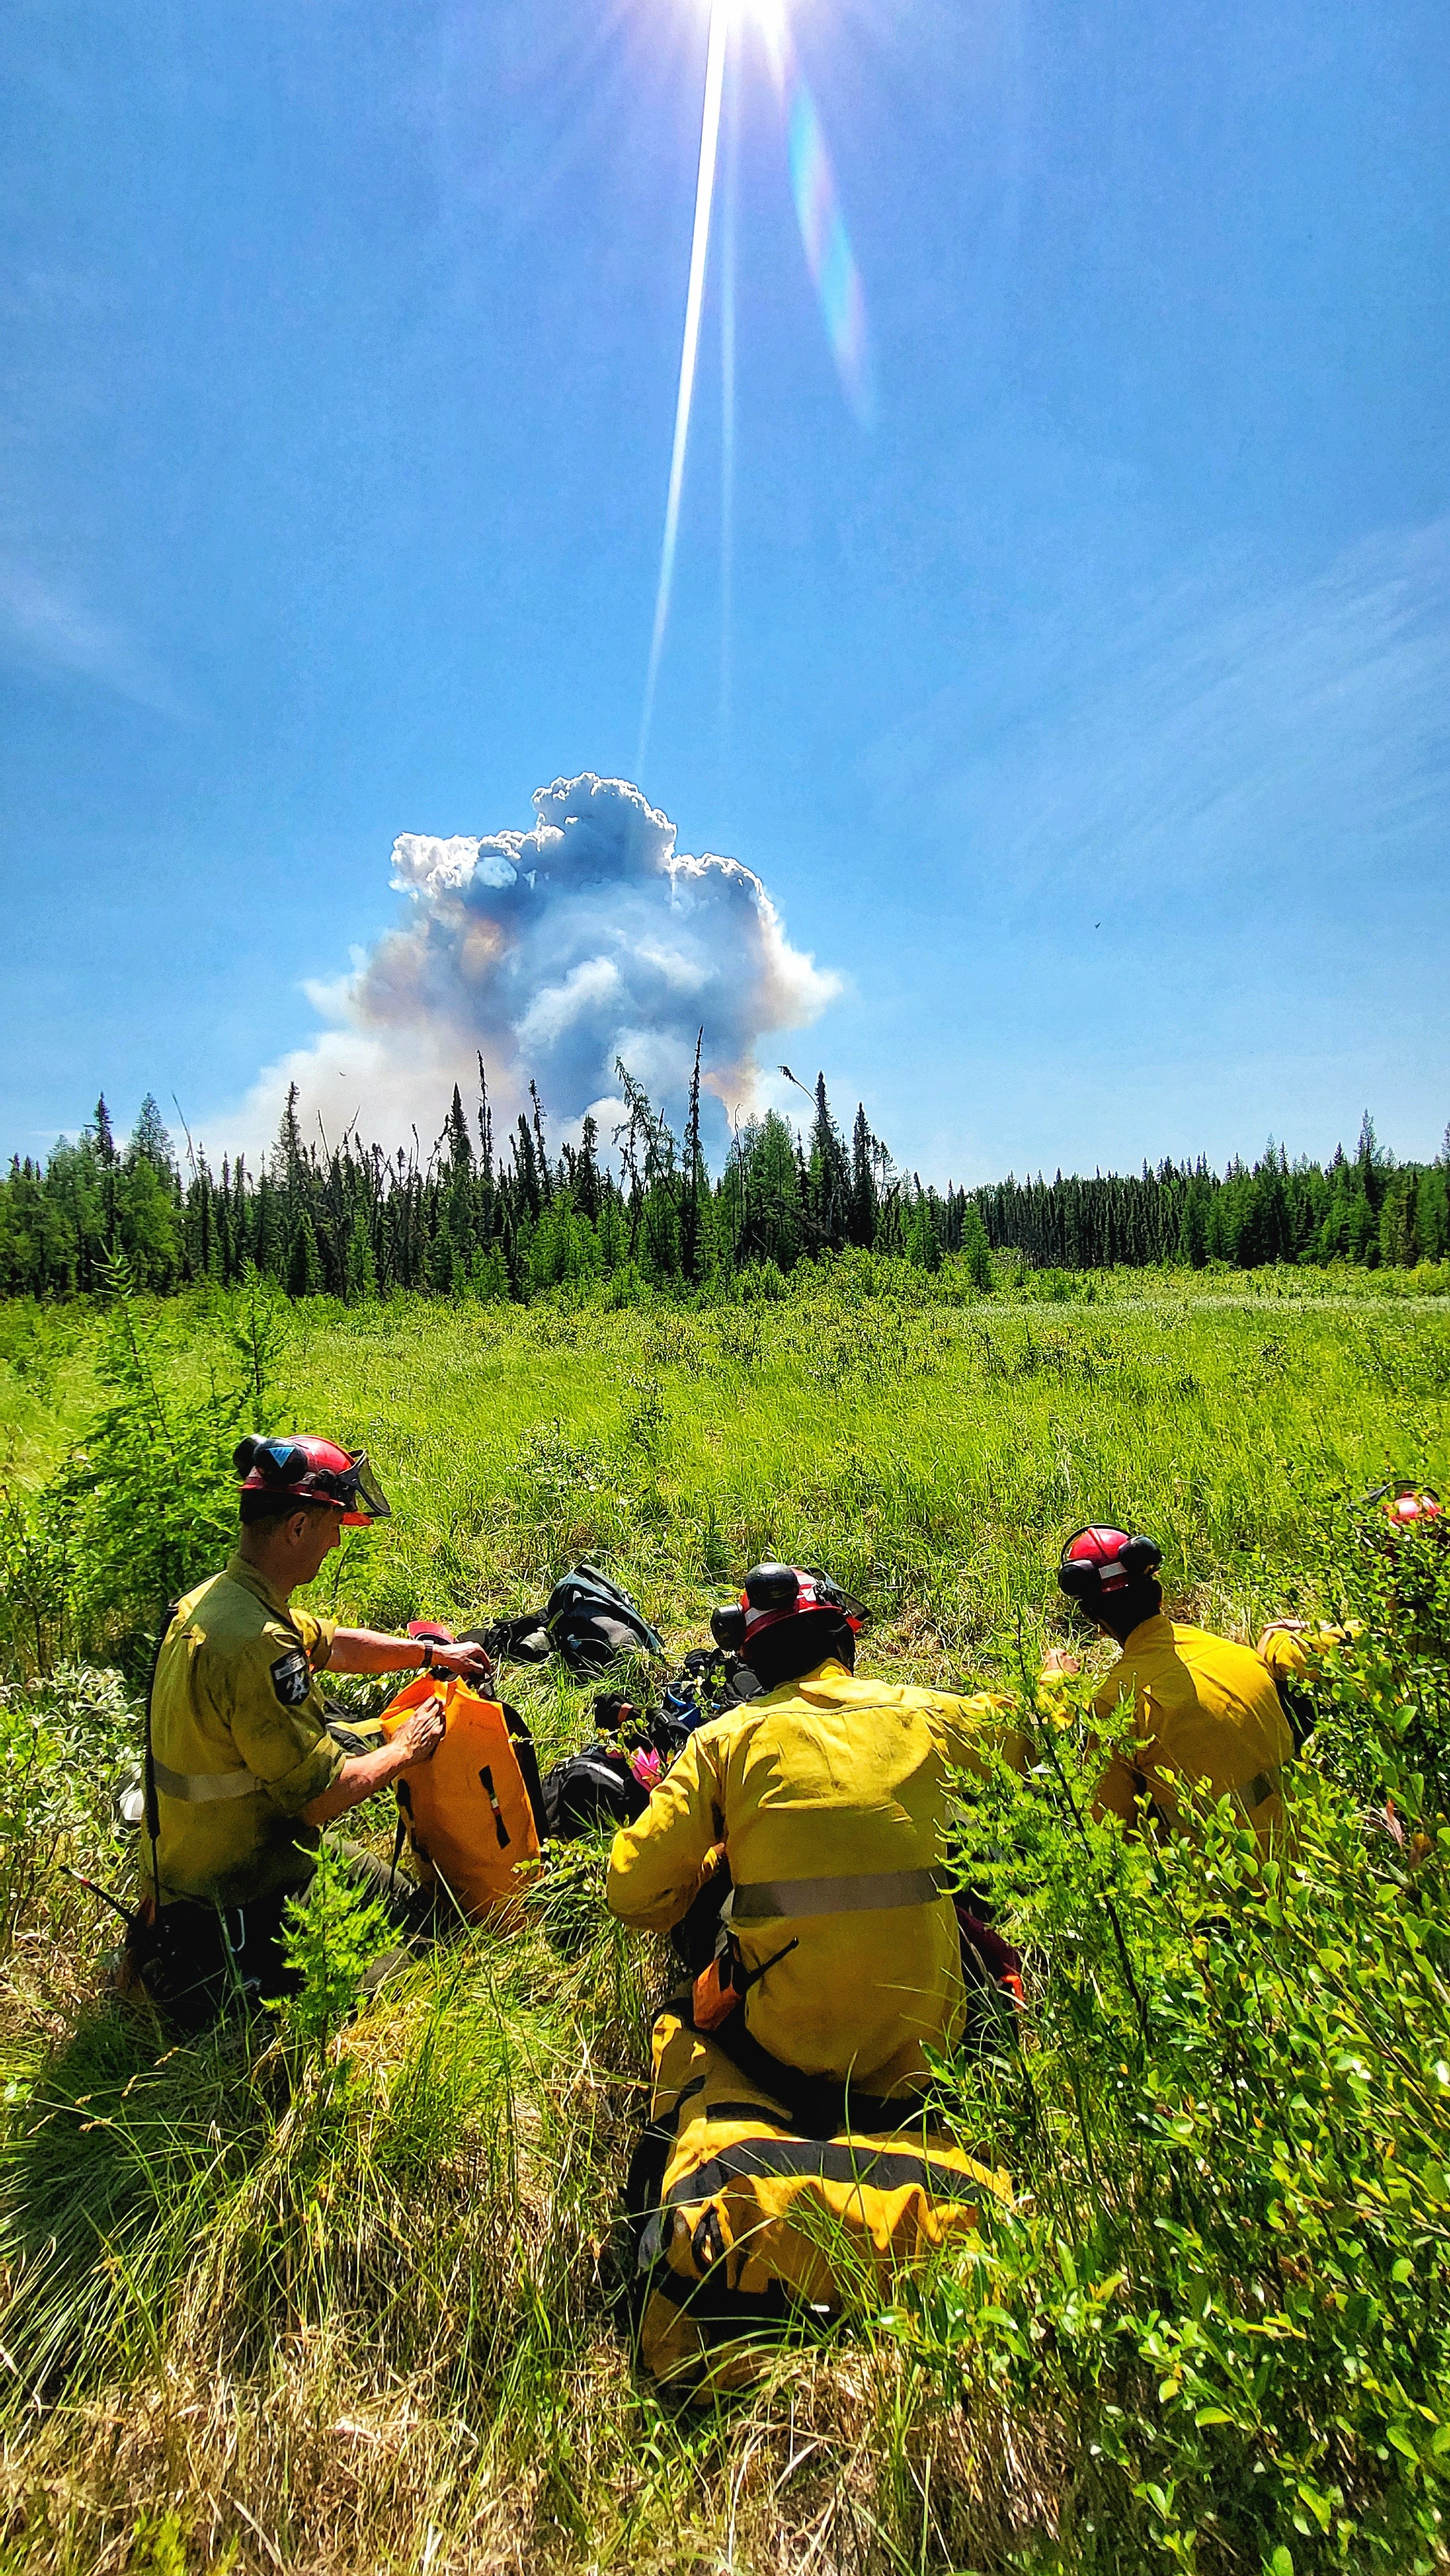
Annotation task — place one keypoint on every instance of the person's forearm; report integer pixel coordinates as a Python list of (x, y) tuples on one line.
[(656, 1865), (366, 1650), (361, 1775)]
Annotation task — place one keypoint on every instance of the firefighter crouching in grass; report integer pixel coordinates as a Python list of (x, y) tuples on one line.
[(788, 2099), (1194, 1708), (1404, 1525), (242, 1772), (1293, 1649)]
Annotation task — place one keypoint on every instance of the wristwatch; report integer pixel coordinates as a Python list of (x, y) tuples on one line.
[(428, 1655)]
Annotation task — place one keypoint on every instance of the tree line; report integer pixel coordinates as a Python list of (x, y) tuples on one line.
[(469, 1218)]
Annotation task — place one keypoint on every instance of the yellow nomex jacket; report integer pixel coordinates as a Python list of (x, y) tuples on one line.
[(829, 1797), (1293, 1649), (1202, 1708), (240, 1742)]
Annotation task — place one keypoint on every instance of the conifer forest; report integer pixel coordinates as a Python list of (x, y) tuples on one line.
[(495, 1219)]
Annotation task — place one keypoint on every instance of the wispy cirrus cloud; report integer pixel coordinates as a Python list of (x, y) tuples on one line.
[(1215, 731), (46, 625)]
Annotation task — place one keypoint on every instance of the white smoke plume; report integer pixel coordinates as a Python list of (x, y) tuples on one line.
[(550, 952)]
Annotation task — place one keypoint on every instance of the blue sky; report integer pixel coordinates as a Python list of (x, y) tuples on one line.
[(1090, 714)]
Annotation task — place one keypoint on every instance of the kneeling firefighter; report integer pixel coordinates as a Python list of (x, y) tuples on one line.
[(1195, 1708), (789, 2082), (1393, 1522), (241, 1771), (1402, 1538)]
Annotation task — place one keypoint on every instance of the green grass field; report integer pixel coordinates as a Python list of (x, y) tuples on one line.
[(340, 2302), (930, 1452)]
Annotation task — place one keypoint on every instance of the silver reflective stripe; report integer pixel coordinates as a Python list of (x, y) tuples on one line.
[(201, 1788), (771, 1897)]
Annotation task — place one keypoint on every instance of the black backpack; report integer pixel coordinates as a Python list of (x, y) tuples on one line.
[(595, 1787), (590, 1621)]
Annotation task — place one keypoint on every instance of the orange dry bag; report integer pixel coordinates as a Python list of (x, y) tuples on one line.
[(469, 1817)]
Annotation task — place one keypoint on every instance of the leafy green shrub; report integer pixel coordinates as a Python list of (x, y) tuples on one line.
[(64, 1746), (1379, 1684), (163, 1503), (1226, 2273), (762, 1283), (146, 1505), (333, 1935), (41, 1561)]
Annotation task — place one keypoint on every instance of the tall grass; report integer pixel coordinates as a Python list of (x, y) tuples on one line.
[(282, 2300)]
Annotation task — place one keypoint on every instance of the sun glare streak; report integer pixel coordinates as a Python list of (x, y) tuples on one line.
[(720, 15)]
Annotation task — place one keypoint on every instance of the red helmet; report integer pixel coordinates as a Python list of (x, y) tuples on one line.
[(313, 1471), (777, 1592), (1405, 1507), (1099, 1561)]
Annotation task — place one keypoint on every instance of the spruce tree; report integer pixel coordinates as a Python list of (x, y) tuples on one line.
[(456, 1137), (149, 1138), (360, 1272), (485, 1131), (976, 1250), (588, 1187), (304, 1265), (526, 1168), (541, 1150), (696, 1184), (828, 1185)]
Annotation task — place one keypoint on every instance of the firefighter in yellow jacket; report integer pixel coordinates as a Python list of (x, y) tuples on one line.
[(1294, 1649), (242, 1773), (790, 2150), (826, 1800), (1193, 1708)]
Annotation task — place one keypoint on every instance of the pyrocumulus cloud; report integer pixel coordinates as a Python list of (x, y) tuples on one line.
[(551, 952)]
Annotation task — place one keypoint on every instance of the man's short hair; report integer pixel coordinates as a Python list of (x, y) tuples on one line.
[(259, 1508)]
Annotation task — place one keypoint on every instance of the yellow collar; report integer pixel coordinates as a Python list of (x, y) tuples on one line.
[(831, 1670)]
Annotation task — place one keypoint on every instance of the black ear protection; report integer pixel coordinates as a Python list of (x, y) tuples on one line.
[(772, 1587), (767, 1587), (278, 1460), (772, 1592), (1081, 1578)]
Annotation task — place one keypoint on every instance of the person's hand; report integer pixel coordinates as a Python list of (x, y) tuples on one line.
[(423, 1733), (468, 1661), (1059, 1659)]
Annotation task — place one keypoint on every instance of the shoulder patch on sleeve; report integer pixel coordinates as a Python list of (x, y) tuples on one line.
[(292, 1678)]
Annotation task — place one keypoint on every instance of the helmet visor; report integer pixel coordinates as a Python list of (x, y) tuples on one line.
[(363, 1495), (832, 1596)]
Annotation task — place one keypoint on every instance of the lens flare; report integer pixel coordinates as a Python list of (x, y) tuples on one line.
[(829, 257), (720, 15)]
